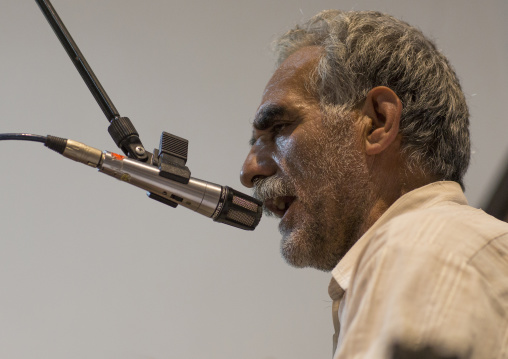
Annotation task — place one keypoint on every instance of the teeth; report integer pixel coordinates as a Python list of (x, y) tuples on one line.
[(279, 203)]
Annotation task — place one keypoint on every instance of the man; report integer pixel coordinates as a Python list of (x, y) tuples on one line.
[(360, 145)]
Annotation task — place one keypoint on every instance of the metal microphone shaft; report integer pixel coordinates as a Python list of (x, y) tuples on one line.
[(197, 195), (221, 203)]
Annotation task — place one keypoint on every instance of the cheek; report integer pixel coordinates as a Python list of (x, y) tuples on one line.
[(296, 154), (284, 145)]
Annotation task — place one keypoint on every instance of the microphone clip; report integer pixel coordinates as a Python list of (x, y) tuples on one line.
[(171, 158)]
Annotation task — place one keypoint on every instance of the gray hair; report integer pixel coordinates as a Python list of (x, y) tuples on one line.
[(365, 49)]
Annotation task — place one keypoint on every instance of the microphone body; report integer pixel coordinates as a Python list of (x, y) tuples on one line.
[(197, 195), (221, 203)]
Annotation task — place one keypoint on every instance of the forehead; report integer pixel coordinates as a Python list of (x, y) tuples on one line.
[(293, 74)]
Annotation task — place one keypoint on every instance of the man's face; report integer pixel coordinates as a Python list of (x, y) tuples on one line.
[(307, 167)]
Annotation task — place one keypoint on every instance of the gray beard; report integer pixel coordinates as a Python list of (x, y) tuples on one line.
[(335, 200)]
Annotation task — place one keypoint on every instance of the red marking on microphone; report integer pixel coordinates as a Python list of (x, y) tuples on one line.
[(117, 156)]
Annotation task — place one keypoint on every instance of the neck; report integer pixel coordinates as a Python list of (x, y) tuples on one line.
[(388, 186)]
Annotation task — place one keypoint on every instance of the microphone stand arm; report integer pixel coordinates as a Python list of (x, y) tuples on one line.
[(121, 129)]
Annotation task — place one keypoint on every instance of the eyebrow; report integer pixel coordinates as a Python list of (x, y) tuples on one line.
[(267, 116)]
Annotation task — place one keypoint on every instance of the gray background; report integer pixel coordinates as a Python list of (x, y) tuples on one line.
[(91, 268)]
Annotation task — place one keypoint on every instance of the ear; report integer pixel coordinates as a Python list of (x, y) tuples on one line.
[(383, 108)]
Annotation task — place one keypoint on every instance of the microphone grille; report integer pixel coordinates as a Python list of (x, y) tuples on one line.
[(238, 210), (248, 204), (241, 217)]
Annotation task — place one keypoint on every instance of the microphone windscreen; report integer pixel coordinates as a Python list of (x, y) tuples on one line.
[(238, 210)]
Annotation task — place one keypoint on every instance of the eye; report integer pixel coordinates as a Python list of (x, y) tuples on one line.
[(278, 128)]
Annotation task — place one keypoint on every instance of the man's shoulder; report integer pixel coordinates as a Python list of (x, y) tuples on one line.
[(449, 228)]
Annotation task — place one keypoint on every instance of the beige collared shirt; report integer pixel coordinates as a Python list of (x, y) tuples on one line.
[(429, 277)]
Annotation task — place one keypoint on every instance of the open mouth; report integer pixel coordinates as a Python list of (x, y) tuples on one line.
[(279, 205)]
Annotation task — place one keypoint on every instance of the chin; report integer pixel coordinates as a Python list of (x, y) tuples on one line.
[(301, 250)]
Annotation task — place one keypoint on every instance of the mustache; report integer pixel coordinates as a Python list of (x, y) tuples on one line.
[(272, 187)]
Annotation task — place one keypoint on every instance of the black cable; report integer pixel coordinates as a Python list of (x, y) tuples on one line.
[(22, 137), (57, 144)]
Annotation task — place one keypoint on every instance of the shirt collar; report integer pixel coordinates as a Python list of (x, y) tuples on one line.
[(423, 197)]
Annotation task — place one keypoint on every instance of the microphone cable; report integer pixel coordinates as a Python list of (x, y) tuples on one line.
[(23, 137)]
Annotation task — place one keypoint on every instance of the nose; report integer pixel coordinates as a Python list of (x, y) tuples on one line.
[(258, 164)]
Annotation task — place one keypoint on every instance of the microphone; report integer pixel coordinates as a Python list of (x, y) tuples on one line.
[(221, 203)]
